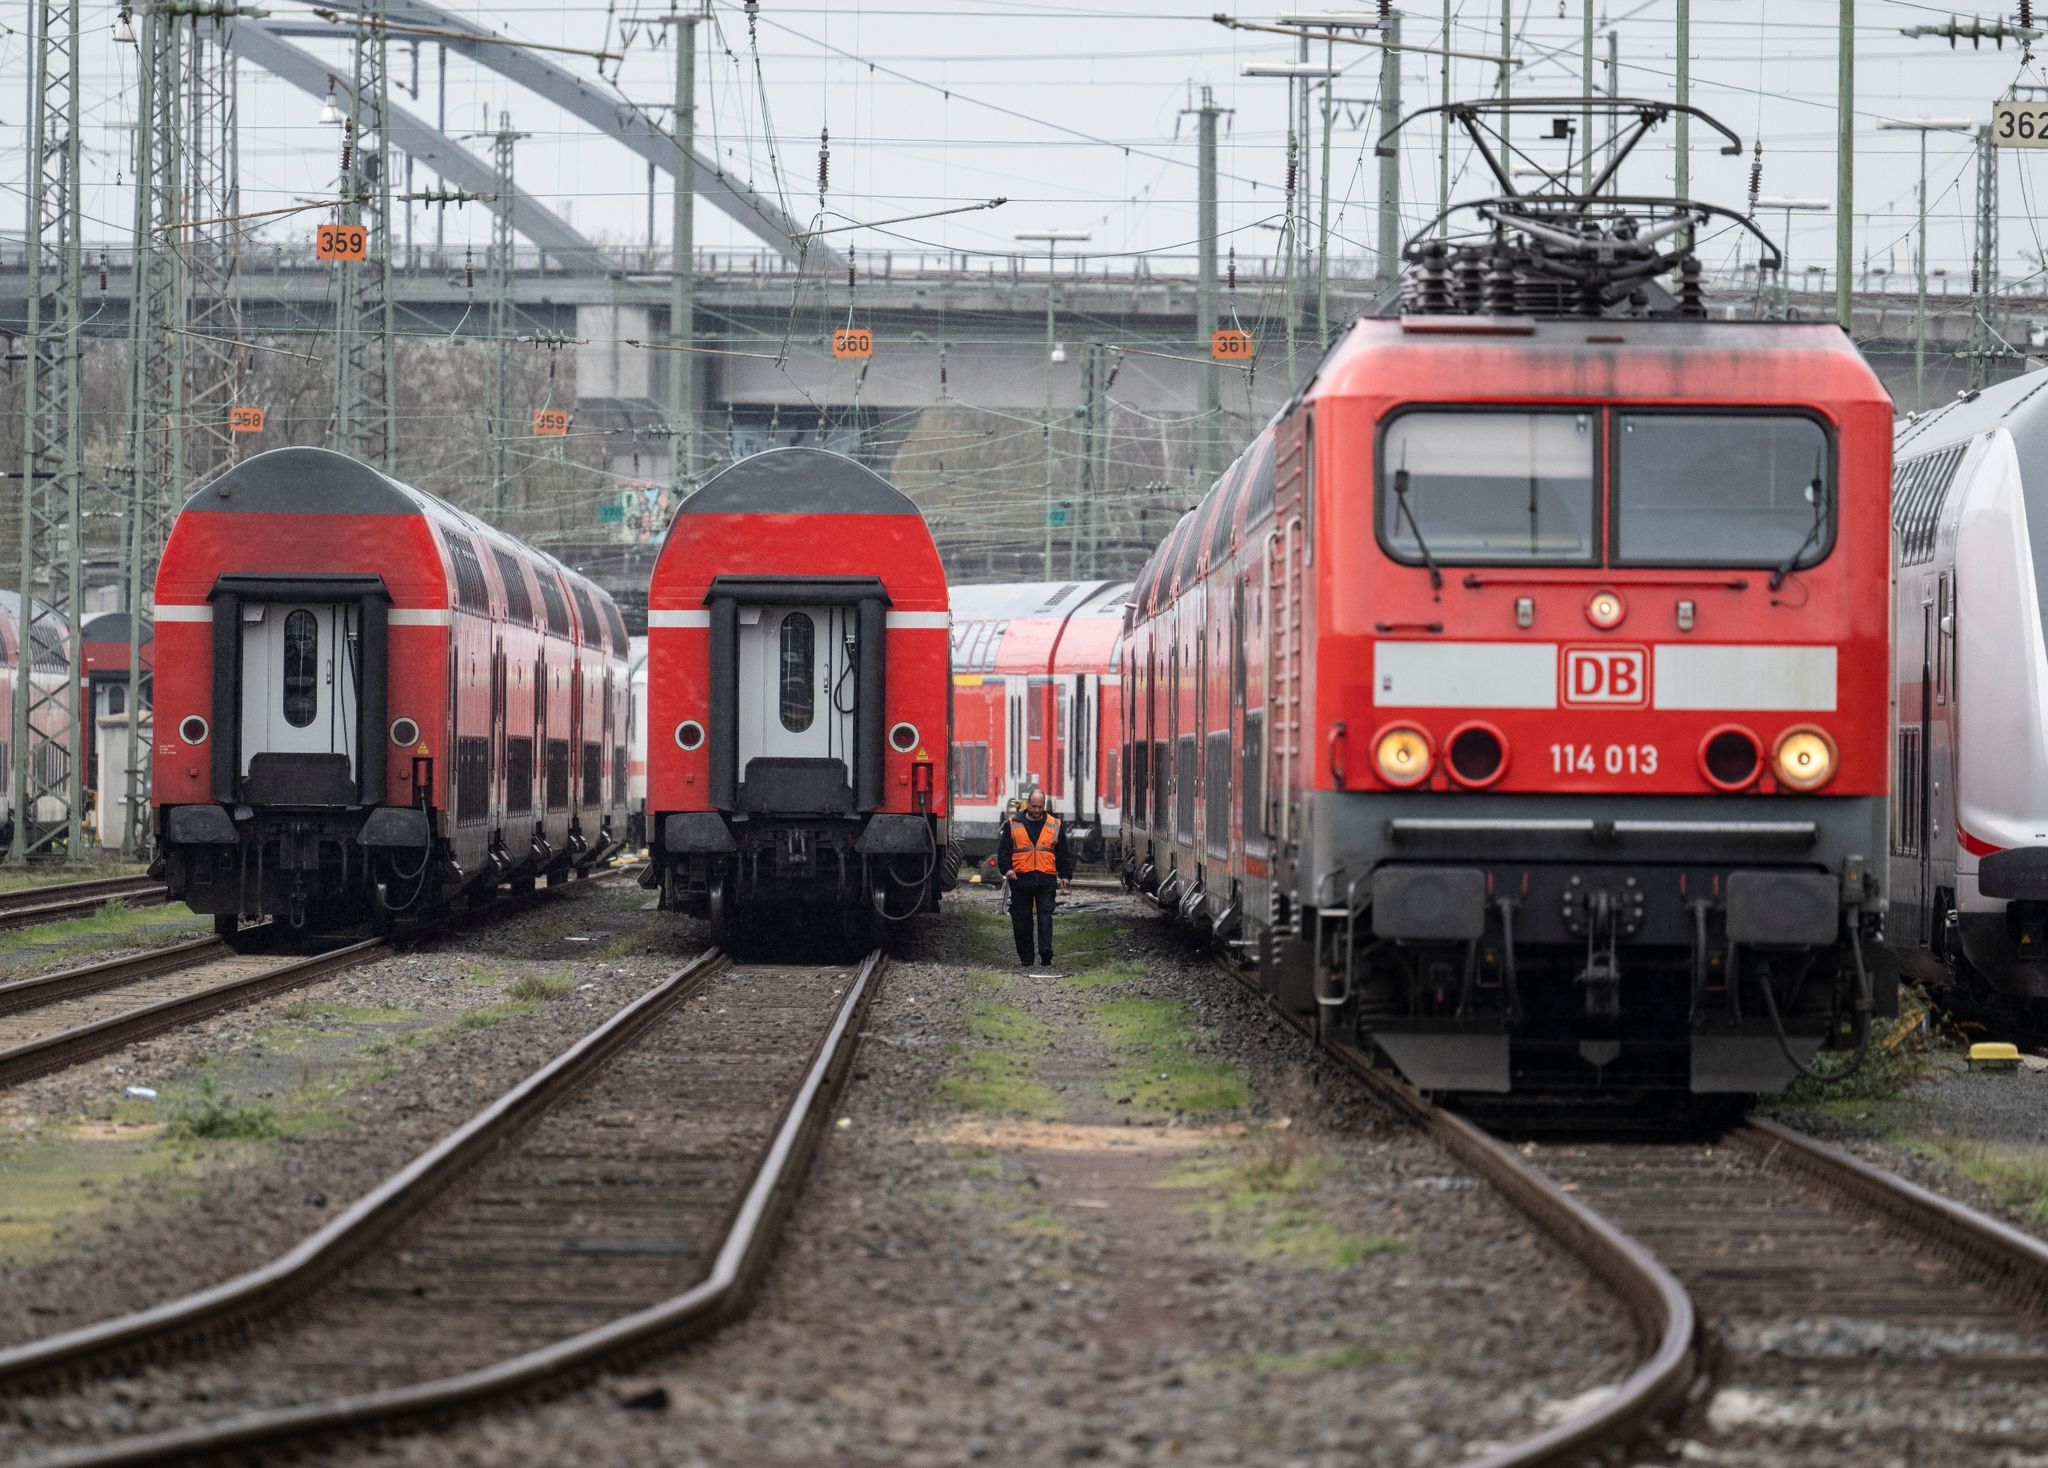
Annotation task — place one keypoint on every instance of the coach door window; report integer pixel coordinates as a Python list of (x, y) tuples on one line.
[(1478, 487), (301, 668), (799, 669), (1721, 489)]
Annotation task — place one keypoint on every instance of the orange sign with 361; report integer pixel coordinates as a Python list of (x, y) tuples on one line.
[(1231, 346)]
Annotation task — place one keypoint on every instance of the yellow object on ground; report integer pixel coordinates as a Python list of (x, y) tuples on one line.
[(1994, 1055)]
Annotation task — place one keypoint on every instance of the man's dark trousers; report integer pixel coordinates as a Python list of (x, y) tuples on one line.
[(1032, 894)]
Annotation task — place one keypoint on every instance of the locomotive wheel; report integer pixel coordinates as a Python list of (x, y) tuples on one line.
[(878, 922), (716, 907)]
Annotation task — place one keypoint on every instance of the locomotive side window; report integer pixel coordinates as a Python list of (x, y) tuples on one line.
[(1721, 489), (1482, 486), (798, 672), (301, 668)]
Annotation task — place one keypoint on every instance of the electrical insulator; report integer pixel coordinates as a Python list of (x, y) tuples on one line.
[(1756, 174), (1973, 282), (468, 268), (849, 275), (2026, 15), (1386, 8), (348, 145), (1233, 267), (1290, 165), (824, 159), (103, 275)]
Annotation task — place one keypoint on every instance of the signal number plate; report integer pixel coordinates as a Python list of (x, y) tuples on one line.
[(341, 242), (1614, 759)]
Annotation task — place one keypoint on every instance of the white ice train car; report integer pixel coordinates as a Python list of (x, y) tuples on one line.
[(1969, 839)]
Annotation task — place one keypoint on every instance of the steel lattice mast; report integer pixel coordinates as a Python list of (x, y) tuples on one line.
[(504, 323), (156, 354), (48, 769), (365, 418), (211, 246)]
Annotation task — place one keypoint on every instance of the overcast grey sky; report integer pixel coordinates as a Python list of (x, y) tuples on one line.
[(1072, 110)]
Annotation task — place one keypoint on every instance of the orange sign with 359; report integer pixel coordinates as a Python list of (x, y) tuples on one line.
[(341, 242)]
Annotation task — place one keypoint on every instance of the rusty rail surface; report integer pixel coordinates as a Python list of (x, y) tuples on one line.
[(28, 906), (741, 1257), (1666, 1325), (70, 1047)]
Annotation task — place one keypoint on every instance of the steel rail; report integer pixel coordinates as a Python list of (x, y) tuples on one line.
[(2012, 1263), (86, 1042), (30, 906), (70, 983), (742, 1256), (1658, 1305)]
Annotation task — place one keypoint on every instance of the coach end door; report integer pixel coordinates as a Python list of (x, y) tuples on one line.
[(300, 686)]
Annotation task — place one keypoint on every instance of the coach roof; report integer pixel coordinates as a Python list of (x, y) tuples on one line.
[(309, 481), (797, 481)]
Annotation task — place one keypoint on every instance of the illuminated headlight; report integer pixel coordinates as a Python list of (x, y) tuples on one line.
[(1402, 755), (1605, 609), (1804, 759)]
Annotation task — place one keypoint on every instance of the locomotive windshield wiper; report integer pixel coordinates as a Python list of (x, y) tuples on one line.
[(1436, 577), (1818, 490)]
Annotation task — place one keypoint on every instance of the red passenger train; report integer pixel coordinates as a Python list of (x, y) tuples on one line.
[(369, 703), (1038, 700), (1519, 699), (798, 713)]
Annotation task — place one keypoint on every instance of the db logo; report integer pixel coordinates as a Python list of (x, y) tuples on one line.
[(1608, 676)]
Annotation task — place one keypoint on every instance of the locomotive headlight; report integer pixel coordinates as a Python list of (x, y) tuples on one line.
[(1804, 759), (1605, 609), (1402, 755)]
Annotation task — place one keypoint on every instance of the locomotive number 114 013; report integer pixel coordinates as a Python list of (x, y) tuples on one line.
[(1613, 759)]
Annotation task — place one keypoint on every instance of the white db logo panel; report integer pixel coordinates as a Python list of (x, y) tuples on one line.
[(1606, 677)]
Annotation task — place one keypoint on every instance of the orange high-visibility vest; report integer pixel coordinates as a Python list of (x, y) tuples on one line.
[(1027, 855)]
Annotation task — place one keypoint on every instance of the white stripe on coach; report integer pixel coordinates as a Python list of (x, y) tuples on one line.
[(679, 619), (417, 617), (1465, 675), (165, 612), (1762, 679), (940, 620)]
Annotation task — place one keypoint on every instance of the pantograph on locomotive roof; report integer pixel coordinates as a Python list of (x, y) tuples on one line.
[(1556, 250)]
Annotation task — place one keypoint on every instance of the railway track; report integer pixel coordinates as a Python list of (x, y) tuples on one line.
[(1852, 1316), (59, 1020), (1792, 1303), (624, 1196), (28, 906)]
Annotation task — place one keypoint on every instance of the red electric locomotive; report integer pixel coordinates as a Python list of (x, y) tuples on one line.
[(798, 702), (369, 703), (1519, 699)]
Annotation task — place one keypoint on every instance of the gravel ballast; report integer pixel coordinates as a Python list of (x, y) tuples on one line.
[(336, 1085), (1123, 1218)]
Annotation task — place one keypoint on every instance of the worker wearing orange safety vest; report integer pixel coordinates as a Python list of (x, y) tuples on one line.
[(1033, 856)]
